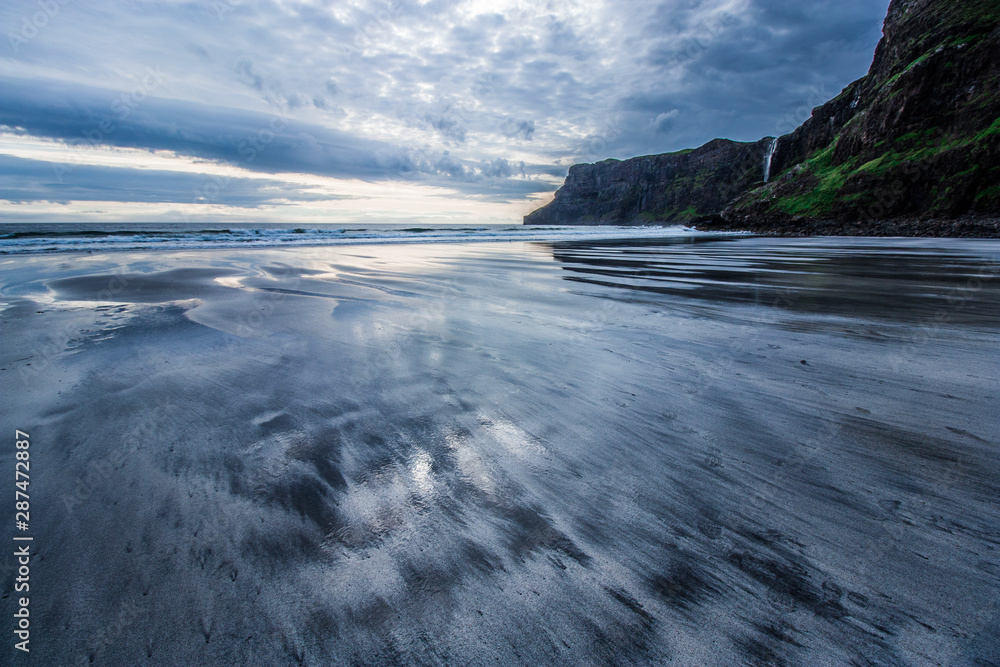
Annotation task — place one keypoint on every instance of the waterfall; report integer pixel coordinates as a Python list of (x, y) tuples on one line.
[(767, 160)]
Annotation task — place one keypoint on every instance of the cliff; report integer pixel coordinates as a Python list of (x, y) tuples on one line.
[(912, 147), (674, 187)]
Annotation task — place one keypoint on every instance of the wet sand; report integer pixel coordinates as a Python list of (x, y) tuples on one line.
[(735, 451)]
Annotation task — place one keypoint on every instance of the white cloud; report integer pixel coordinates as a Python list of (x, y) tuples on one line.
[(665, 121)]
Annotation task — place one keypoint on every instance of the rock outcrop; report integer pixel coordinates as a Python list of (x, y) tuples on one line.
[(674, 187), (914, 145)]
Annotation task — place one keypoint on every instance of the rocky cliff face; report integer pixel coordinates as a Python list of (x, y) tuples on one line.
[(674, 187), (916, 139)]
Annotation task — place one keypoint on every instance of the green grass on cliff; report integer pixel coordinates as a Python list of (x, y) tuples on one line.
[(688, 214), (979, 15), (982, 12), (823, 194), (967, 23), (925, 145), (952, 49), (671, 215), (819, 200), (988, 195), (992, 131), (944, 34)]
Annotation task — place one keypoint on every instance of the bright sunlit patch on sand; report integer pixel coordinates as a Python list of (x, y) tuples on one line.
[(235, 282), (515, 440), (420, 472)]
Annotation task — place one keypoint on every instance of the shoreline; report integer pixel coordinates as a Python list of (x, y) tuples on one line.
[(959, 228), (91, 239), (963, 227)]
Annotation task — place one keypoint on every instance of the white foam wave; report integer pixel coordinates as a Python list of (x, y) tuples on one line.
[(28, 243)]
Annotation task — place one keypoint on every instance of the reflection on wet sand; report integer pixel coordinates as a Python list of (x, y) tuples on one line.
[(729, 451), (865, 278)]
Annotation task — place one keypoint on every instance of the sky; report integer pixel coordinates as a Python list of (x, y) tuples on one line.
[(398, 111)]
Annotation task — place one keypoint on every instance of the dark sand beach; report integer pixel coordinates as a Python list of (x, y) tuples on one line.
[(700, 451)]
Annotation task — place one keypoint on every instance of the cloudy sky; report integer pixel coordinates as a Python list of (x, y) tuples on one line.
[(401, 111)]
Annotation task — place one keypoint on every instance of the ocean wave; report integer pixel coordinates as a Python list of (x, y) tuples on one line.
[(49, 239)]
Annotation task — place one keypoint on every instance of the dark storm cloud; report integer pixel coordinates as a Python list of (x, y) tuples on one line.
[(522, 129), (83, 117), (664, 122), (26, 180), (754, 73), (448, 124)]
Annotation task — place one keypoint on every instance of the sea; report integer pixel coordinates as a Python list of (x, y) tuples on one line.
[(21, 238)]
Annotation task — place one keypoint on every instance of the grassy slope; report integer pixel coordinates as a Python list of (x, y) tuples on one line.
[(831, 181)]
